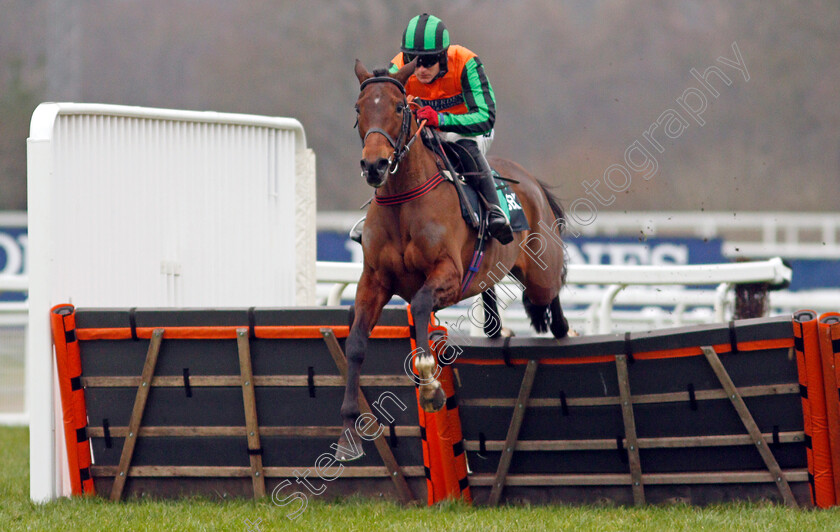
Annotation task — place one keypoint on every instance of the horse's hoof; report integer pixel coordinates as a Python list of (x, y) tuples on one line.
[(435, 403), (342, 456), (343, 450)]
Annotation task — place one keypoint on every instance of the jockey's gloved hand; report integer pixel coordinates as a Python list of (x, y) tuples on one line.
[(430, 115)]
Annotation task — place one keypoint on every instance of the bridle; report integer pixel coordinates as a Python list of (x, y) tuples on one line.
[(402, 143)]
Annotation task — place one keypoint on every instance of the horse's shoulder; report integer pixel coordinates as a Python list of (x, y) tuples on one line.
[(383, 266)]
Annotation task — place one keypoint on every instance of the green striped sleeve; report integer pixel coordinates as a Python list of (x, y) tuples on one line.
[(393, 67), (479, 99)]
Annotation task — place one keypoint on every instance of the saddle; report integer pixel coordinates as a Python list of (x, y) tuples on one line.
[(458, 161)]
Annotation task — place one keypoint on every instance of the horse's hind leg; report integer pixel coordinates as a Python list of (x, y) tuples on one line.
[(537, 313), (559, 325), (492, 322), (547, 317)]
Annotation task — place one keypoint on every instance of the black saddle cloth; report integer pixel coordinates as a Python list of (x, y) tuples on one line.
[(508, 199)]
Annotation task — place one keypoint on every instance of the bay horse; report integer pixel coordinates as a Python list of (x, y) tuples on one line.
[(420, 249)]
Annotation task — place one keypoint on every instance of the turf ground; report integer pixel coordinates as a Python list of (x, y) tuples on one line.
[(18, 513)]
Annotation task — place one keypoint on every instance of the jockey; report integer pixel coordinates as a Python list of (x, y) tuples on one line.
[(456, 97)]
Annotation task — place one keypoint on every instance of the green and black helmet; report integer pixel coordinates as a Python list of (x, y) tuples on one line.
[(425, 35)]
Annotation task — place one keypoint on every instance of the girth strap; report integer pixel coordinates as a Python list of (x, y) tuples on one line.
[(478, 255)]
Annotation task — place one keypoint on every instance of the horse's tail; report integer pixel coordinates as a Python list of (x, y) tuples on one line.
[(560, 216), (556, 208)]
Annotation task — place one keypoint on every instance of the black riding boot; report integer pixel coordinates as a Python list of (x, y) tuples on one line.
[(498, 224)]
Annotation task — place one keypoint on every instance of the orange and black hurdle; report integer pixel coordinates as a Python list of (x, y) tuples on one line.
[(237, 402), (696, 414), (246, 401)]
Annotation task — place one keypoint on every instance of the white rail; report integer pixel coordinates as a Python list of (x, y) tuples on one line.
[(753, 234), (14, 283), (616, 279), (646, 307), (14, 420), (13, 321), (756, 235), (14, 313), (710, 224)]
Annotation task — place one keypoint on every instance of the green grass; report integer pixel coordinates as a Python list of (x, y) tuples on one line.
[(12, 372), (18, 513)]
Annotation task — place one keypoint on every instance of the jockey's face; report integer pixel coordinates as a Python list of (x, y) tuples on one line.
[(427, 74)]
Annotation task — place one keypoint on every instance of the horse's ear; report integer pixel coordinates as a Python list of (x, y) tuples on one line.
[(361, 72), (405, 72)]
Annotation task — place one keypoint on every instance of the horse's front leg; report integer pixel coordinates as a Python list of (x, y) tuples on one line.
[(438, 291), (370, 298)]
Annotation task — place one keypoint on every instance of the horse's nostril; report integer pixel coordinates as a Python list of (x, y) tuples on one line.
[(374, 169)]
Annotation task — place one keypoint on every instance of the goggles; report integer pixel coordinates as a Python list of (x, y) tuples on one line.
[(425, 60)]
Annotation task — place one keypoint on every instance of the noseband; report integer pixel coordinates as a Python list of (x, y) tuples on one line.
[(399, 145)]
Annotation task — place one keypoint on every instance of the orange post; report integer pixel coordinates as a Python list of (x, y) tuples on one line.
[(74, 409), (829, 331), (450, 437), (812, 390), (443, 446)]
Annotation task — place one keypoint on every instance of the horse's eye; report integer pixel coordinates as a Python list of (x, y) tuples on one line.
[(356, 107), (400, 108)]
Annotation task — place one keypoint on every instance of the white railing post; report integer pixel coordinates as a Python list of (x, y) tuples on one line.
[(591, 317), (679, 310), (605, 310), (720, 301), (334, 298)]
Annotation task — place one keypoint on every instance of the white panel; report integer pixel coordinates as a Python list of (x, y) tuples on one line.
[(134, 207), (164, 213)]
